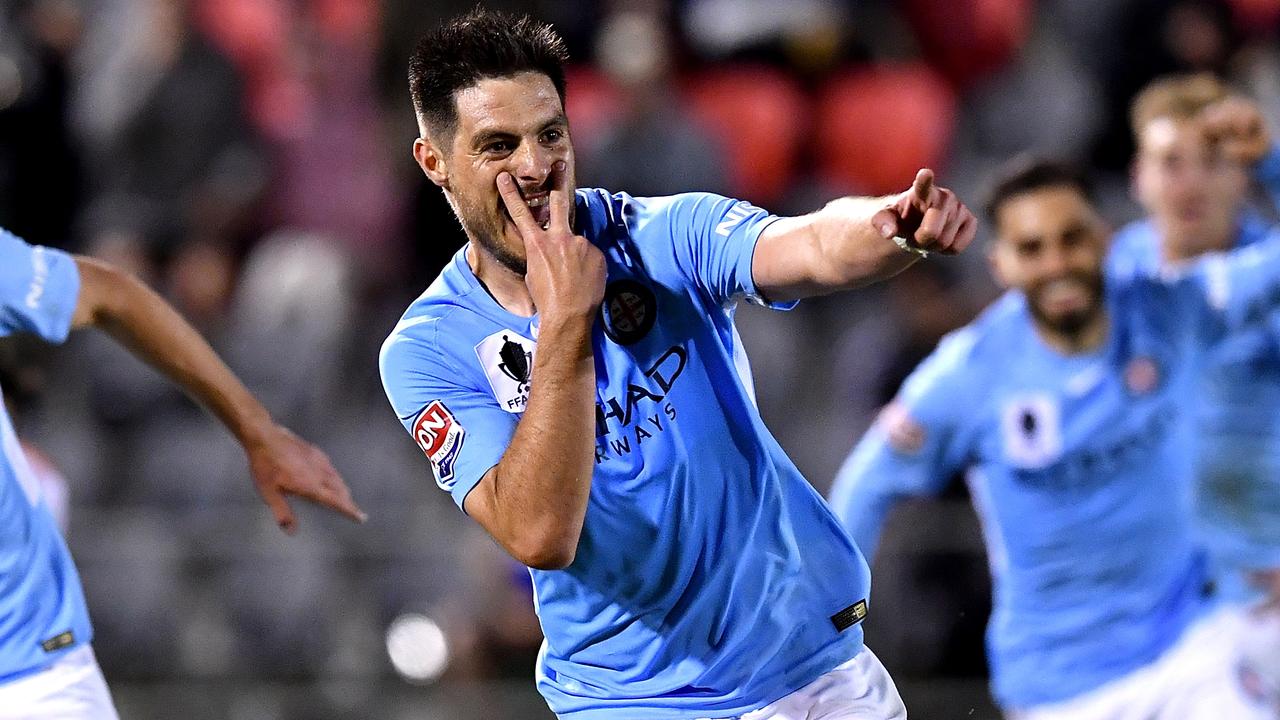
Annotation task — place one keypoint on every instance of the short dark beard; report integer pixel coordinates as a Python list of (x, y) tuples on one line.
[(1073, 325)]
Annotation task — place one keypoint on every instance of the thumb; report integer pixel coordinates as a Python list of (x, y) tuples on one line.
[(281, 510), (886, 222)]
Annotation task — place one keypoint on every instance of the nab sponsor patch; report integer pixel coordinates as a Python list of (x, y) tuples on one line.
[(440, 436), (507, 359)]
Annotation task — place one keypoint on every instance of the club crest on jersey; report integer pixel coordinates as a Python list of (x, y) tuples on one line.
[(440, 436), (629, 311), (1141, 376), (1032, 431), (507, 359)]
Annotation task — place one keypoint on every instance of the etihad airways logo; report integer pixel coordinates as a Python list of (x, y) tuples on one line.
[(625, 422)]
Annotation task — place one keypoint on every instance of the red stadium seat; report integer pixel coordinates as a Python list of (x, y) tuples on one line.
[(966, 40), (877, 126), (760, 116)]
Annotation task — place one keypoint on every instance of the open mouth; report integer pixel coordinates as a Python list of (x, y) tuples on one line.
[(539, 204)]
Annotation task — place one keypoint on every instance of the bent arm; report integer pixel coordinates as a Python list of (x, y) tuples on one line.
[(281, 463), (534, 501)]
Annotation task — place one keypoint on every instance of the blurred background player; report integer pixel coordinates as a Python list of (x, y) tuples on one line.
[(1196, 147), (575, 379), (47, 667), (1069, 406)]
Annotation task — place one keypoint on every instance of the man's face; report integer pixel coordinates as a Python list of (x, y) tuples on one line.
[(1050, 244), (1192, 191), (513, 124)]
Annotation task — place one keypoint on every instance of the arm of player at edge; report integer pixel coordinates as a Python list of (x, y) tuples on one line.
[(282, 464), (848, 243), (534, 501)]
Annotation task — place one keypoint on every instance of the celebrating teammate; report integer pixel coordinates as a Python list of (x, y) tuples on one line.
[(1196, 145), (47, 667), (1068, 404), (575, 379)]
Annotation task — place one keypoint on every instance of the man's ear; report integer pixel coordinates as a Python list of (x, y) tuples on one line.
[(993, 262), (432, 161)]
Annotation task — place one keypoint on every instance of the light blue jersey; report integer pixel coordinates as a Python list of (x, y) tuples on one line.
[(1079, 467), (710, 578), (42, 608), (1238, 467)]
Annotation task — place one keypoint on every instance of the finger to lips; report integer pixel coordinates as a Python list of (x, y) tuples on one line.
[(516, 206)]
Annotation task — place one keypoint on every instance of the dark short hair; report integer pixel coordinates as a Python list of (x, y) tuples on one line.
[(1027, 174), (469, 48)]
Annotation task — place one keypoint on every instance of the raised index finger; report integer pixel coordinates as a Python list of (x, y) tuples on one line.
[(923, 185), (516, 206)]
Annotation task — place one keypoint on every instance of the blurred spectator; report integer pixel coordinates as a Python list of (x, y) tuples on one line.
[(651, 146), (40, 177), (159, 111), (310, 67), (1155, 38)]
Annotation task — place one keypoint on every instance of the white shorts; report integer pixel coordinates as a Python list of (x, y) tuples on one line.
[(70, 689), (860, 689), (1199, 678)]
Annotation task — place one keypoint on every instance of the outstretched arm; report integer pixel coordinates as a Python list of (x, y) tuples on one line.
[(849, 243), (281, 463)]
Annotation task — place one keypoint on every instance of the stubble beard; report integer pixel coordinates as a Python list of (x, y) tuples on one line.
[(479, 228)]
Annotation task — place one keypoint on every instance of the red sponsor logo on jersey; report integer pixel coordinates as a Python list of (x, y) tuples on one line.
[(440, 437), (1141, 376)]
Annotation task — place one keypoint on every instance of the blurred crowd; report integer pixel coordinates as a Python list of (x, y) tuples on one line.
[(250, 158)]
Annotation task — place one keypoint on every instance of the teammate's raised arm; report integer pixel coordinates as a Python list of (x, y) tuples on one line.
[(281, 463), (855, 241), (534, 501)]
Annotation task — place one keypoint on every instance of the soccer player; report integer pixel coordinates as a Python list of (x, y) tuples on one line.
[(1068, 407), (47, 667), (575, 379), (1196, 146)]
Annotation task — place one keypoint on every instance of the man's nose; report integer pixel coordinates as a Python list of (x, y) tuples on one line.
[(532, 163)]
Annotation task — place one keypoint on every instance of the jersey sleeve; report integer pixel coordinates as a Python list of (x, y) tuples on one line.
[(460, 428), (1227, 291), (715, 240), (914, 447), (39, 287)]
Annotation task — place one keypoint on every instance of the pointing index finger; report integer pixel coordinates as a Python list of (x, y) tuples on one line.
[(923, 185)]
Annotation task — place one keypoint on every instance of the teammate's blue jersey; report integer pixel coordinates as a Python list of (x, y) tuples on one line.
[(42, 608), (710, 578), (1238, 466), (1080, 468)]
